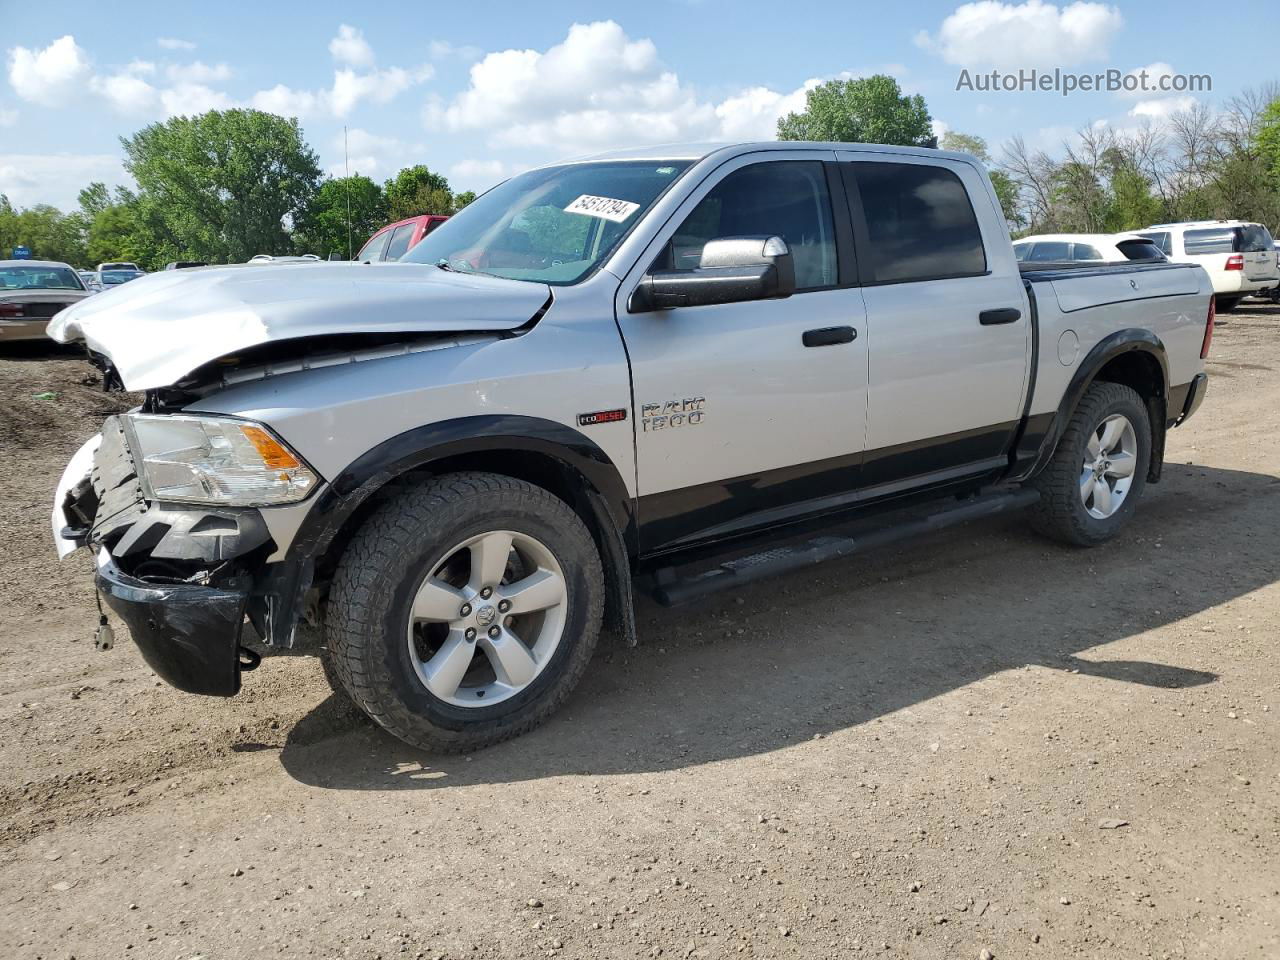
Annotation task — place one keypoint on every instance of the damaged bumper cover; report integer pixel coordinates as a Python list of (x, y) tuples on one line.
[(179, 577), (188, 633)]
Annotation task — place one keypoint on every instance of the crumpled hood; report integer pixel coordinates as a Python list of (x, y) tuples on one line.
[(158, 328)]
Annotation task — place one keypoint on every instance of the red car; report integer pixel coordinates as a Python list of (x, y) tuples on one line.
[(395, 239)]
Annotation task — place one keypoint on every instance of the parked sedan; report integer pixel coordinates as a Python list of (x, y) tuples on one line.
[(113, 278), (1086, 247), (31, 292)]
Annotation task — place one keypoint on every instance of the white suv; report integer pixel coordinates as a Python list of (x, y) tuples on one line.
[(1238, 255)]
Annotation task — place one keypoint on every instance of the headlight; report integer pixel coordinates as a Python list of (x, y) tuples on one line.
[(195, 459)]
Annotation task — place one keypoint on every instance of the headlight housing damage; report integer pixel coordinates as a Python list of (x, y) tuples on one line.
[(216, 460)]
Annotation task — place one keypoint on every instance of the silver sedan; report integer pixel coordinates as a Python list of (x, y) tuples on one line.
[(31, 293)]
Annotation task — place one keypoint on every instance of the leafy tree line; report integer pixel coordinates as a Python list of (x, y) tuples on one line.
[(1197, 164), (221, 187)]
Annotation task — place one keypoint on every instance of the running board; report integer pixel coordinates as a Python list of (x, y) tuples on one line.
[(672, 590)]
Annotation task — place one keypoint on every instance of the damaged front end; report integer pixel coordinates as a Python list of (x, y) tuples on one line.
[(180, 575)]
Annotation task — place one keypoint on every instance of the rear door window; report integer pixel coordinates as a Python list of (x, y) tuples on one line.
[(1047, 251), (1211, 240), (1082, 251), (399, 244), (1140, 250), (1254, 238), (920, 223), (375, 248)]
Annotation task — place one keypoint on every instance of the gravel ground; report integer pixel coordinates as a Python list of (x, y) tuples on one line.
[(976, 742)]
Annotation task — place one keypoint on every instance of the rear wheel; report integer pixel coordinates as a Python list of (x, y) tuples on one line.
[(465, 610), (1091, 486)]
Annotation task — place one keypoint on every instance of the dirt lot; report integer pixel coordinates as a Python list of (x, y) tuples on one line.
[(925, 753)]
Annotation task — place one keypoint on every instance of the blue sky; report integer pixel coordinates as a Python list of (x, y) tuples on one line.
[(479, 91)]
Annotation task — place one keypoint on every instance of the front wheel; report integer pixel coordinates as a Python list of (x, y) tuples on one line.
[(1090, 488), (465, 610)]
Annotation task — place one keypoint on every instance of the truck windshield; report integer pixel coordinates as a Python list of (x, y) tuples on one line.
[(553, 225)]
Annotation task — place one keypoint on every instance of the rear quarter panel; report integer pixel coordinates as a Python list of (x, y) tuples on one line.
[(1077, 313)]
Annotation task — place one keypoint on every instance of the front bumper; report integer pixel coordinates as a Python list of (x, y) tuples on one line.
[(189, 634)]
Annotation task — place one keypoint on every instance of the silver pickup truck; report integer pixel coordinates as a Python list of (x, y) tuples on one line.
[(676, 370)]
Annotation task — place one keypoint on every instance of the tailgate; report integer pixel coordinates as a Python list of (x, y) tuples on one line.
[(1096, 288)]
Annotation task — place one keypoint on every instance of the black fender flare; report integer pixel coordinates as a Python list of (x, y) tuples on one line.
[(1114, 345), (276, 602)]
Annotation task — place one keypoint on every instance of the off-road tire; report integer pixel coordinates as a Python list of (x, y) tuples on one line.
[(372, 591), (1060, 514)]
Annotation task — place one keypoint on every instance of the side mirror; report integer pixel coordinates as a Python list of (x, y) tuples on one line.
[(731, 270)]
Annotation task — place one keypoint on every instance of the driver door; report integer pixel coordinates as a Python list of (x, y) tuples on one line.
[(738, 423)]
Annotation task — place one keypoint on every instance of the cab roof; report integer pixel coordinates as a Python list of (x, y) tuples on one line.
[(701, 150)]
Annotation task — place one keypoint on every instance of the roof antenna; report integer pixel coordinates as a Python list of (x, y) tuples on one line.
[(346, 167)]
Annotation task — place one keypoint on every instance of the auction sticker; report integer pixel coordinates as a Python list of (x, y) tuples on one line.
[(604, 207)]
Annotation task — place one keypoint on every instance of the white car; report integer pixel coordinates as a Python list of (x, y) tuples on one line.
[(1086, 248), (1238, 255)]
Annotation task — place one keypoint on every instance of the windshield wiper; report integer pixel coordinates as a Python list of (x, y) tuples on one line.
[(446, 265)]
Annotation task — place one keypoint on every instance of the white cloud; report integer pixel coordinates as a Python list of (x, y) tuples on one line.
[(348, 90), (443, 49), (594, 90), (1031, 34), (597, 89), (27, 178), (173, 43), (350, 46), (198, 71), (286, 101), (1154, 71), (371, 154), (126, 91), (753, 114), (189, 99), (480, 174), (1162, 107), (379, 86), (52, 76)]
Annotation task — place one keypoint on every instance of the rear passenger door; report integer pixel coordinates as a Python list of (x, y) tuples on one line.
[(948, 336)]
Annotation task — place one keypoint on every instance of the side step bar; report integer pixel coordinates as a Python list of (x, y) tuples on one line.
[(672, 590)]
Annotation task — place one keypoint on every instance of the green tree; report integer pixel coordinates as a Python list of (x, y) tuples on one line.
[(342, 215), (223, 185), (416, 191), (47, 231), (94, 199), (114, 235), (460, 200), (1268, 137), (865, 110)]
